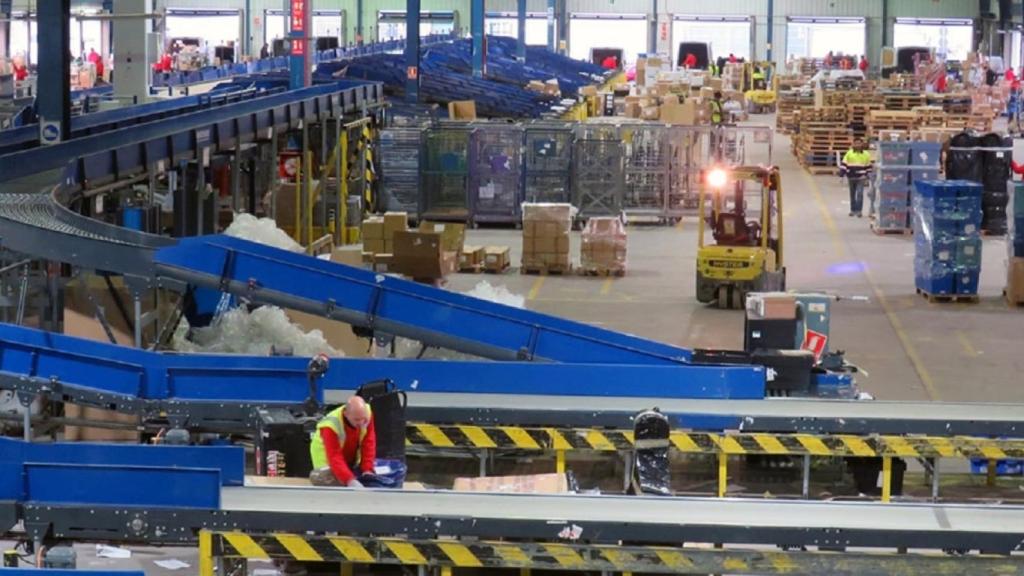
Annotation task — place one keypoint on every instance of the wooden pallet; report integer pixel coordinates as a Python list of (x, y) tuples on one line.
[(504, 269), (473, 269), (891, 231), (949, 298), (1010, 302), (557, 270), (598, 271)]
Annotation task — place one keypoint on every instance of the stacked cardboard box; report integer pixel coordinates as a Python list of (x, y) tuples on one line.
[(546, 237), (378, 232), (603, 247)]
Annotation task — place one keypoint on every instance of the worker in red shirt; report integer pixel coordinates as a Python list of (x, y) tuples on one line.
[(344, 446), (97, 61), (610, 62), (690, 61), (20, 71), (863, 65)]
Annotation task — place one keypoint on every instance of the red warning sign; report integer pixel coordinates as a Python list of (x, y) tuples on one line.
[(412, 72), (815, 342)]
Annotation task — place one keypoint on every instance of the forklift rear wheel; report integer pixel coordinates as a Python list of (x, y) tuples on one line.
[(736, 298), (722, 296)]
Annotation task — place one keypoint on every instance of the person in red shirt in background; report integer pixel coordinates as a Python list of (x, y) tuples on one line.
[(610, 62), (97, 61), (863, 65), (344, 446), (20, 71), (690, 61), (732, 58)]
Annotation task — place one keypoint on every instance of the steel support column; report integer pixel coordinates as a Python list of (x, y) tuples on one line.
[(770, 32), (552, 39), (5, 27), (412, 50), (652, 35), (885, 26), (476, 30), (359, 22), (521, 19), (563, 26), (53, 96), (247, 29)]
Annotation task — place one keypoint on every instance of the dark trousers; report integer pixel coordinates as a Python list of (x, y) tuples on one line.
[(856, 194)]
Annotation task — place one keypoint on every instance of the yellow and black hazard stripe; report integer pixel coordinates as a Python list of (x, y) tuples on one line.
[(526, 438), (563, 556)]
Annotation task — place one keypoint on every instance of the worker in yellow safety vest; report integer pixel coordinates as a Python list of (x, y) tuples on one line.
[(344, 446), (757, 79), (716, 109)]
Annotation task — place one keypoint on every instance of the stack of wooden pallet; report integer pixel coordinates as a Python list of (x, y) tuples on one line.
[(903, 100), (788, 102), (819, 140), (976, 122), (956, 103), (857, 114), (930, 116), (879, 120), (904, 82)]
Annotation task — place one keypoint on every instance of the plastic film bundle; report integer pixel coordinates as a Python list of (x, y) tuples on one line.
[(947, 229)]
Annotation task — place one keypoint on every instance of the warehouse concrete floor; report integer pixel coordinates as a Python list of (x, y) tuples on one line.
[(908, 349)]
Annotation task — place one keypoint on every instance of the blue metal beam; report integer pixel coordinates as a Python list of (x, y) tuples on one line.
[(360, 35), (521, 17), (476, 30), (563, 26), (412, 50), (396, 306), (54, 85), (770, 33)]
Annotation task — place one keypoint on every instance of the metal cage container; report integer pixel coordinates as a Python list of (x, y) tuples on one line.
[(689, 148), (646, 170), (400, 150), (598, 169), (445, 173), (547, 166), (495, 172)]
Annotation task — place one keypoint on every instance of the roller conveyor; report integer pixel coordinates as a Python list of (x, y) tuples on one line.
[(781, 415)]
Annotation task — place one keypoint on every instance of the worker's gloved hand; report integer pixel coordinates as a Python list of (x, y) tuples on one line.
[(354, 483)]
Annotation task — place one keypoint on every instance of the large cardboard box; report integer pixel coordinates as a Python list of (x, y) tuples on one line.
[(462, 110), (531, 484), (603, 245), (771, 306), (421, 255), (453, 234), (679, 114)]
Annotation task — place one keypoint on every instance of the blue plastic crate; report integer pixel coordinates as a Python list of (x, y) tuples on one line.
[(968, 204), (894, 153), (968, 252), (943, 285), (892, 202), (925, 153), (893, 177), (1009, 467), (892, 219), (967, 281), (926, 174)]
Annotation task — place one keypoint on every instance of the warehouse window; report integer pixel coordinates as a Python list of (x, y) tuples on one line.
[(726, 34), (1014, 56), (952, 39), (506, 24), (214, 27), (815, 37), (625, 31), (23, 37), (326, 23), (86, 34), (391, 24)]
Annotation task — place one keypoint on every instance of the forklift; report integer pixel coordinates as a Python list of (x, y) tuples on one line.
[(745, 254)]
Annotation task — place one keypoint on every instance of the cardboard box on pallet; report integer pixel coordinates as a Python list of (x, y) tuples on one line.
[(603, 245), (372, 232), (496, 258), (546, 235), (471, 257), (531, 484)]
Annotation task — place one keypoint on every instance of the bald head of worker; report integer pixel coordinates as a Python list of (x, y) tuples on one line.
[(357, 412)]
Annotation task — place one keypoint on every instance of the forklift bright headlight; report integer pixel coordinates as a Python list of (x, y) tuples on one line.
[(717, 178)]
